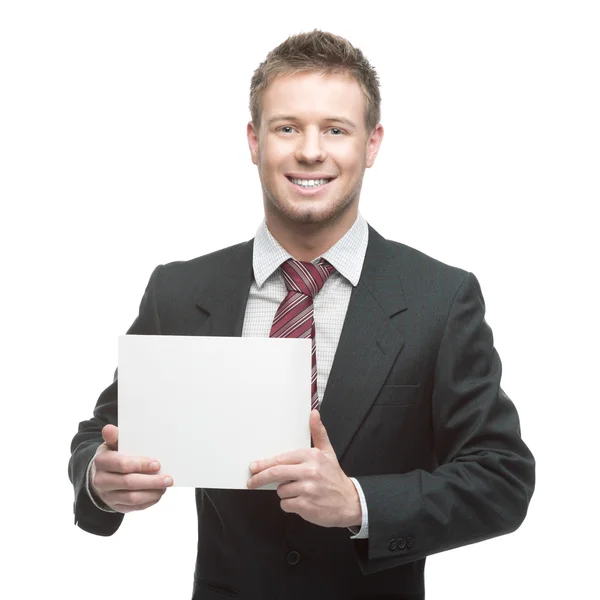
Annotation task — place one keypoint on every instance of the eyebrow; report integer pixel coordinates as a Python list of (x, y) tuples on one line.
[(341, 120)]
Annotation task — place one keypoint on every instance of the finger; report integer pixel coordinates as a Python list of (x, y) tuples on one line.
[(295, 489), (319, 433), (293, 505), (277, 474), (115, 462), (108, 482), (294, 457), (110, 435), (133, 498), (123, 508)]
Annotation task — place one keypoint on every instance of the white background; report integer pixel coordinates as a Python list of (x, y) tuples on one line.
[(122, 145)]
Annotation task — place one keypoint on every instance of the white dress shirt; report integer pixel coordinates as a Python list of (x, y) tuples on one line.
[(330, 305)]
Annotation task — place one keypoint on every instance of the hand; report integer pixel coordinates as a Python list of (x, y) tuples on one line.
[(125, 483), (315, 486)]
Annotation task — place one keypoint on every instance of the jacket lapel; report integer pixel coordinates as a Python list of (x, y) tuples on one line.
[(223, 297), (369, 344)]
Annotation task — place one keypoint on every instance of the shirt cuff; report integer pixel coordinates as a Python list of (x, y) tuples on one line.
[(362, 532), (96, 501)]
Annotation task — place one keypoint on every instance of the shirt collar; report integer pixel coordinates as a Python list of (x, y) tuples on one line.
[(347, 255)]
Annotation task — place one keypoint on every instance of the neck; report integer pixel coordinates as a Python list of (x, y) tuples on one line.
[(307, 241)]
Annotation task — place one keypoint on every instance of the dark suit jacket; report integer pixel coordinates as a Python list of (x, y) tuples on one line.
[(414, 411)]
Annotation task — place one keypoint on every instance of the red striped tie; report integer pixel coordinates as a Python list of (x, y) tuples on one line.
[(295, 317)]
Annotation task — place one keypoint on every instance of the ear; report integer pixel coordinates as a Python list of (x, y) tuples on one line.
[(252, 135), (373, 144)]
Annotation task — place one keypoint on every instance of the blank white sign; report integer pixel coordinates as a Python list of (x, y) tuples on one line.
[(206, 407)]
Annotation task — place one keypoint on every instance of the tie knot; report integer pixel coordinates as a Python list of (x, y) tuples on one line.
[(305, 277)]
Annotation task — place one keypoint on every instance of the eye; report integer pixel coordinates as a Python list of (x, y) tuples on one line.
[(286, 129), (335, 131)]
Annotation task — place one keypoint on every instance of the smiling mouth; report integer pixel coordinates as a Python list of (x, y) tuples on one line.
[(309, 183)]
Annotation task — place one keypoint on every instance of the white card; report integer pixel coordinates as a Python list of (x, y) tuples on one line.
[(206, 407)]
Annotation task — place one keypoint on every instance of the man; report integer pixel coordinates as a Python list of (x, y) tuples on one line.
[(416, 448)]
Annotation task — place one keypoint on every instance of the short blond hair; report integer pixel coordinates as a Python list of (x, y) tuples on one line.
[(321, 52)]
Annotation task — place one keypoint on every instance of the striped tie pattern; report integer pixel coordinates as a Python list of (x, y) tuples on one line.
[(295, 316)]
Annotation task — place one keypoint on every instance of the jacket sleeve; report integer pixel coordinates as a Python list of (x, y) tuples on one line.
[(485, 474), (89, 436)]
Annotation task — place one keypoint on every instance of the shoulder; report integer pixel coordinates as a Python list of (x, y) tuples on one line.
[(210, 264), (431, 286), (407, 256), (180, 279), (420, 271)]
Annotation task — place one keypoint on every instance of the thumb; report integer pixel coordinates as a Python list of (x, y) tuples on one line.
[(319, 433), (110, 434)]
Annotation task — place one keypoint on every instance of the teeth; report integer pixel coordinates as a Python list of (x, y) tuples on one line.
[(309, 182)]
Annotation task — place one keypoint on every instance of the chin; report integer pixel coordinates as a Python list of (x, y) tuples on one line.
[(306, 212), (310, 215)]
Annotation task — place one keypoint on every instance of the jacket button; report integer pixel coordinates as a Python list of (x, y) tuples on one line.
[(401, 543), (393, 545), (293, 557), (410, 541)]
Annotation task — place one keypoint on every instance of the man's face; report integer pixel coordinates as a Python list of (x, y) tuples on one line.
[(312, 129)]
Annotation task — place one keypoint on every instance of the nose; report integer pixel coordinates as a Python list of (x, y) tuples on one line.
[(310, 148)]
